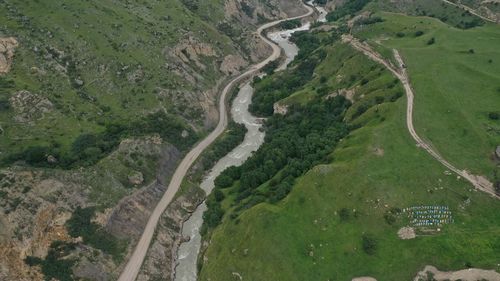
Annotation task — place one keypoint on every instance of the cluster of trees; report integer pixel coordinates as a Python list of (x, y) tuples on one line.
[(88, 149), (290, 24), (55, 265), (270, 67), (348, 8), (279, 86), (306, 42), (275, 88), (234, 135), (475, 21), (294, 143), (320, 2), (80, 225)]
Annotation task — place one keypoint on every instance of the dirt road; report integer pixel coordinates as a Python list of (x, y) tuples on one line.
[(134, 264), (400, 72), (470, 10)]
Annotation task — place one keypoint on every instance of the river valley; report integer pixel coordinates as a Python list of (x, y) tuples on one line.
[(187, 256)]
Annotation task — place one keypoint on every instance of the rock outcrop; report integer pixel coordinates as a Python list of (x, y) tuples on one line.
[(7, 48), (29, 107)]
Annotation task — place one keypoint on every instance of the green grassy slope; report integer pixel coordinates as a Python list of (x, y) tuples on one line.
[(457, 85), (121, 51), (303, 238), (316, 232)]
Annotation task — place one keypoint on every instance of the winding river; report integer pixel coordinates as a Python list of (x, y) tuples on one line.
[(186, 269)]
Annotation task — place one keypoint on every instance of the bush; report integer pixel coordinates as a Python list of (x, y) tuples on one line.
[(400, 34), (431, 41), (494, 115), (369, 244), (389, 218), (419, 33), (344, 214)]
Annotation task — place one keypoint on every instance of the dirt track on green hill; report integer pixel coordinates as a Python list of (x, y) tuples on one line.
[(472, 11), (134, 264), (400, 72)]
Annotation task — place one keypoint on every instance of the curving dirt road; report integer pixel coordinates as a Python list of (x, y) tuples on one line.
[(134, 264), (400, 72)]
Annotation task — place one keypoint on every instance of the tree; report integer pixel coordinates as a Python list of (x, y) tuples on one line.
[(218, 195)]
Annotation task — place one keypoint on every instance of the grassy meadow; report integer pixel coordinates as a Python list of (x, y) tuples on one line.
[(456, 82)]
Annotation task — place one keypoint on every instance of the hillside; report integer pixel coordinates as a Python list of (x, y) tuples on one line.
[(99, 100), (342, 192)]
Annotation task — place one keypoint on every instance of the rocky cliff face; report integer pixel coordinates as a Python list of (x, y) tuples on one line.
[(36, 204)]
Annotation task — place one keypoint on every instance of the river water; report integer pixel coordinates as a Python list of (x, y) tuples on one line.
[(186, 269)]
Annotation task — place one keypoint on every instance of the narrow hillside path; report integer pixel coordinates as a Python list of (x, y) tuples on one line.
[(470, 10), (134, 264), (400, 72)]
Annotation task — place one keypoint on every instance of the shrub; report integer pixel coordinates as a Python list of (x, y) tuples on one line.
[(400, 34), (344, 214), (369, 244), (419, 33), (494, 115), (389, 218), (431, 41), (379, 99)]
